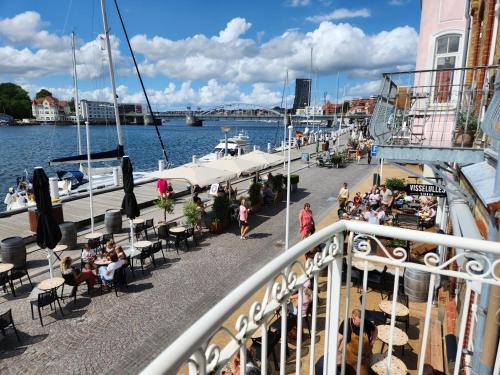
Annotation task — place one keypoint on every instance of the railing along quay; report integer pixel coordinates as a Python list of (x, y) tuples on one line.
[(345, 241)]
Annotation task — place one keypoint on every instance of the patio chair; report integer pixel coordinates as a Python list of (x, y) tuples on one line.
[(164, 234), (5, 321), (45, 299), (376, 281), (70, 280), (105, 238), (190, 232), (119, 279), (5, 280), (139, 229), (149, 224), (145, 254), (157, 247), (95, 244), (18, 274)]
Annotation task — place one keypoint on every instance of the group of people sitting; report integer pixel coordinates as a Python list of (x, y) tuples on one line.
[(89, 272)]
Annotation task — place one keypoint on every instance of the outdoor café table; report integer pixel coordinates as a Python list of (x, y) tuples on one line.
[(93, 235), (360, 265), (399, 338), (51, 284), (379, 365), (59, 249), (179, 233), (102, 262), (386, 307), (138, 221), (142, 244), (5, 267)]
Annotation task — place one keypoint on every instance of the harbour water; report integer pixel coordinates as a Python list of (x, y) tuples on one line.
[(23, 148)]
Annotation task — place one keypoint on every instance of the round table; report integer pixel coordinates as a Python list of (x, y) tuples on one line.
[(360, 265), (93, 236), (138, 221), (142, 244), (59, 249), (379, 365), (49, 284), (102, 262), (400, 338), (6, 267), (178, 230), (401, 310)]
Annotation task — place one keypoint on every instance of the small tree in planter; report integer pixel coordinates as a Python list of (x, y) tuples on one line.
[(166, 204), (353, 143), (255, 196), (394, 184), (221, 213), (336, 160), (294, 181), (192, 213), (278, 186), (463, 135)]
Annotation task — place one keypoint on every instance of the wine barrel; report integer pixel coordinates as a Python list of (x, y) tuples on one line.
[(416, 284), (13, 251), (68, 234), (113, 221)]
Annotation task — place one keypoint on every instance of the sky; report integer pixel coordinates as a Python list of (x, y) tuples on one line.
[(208, 52)]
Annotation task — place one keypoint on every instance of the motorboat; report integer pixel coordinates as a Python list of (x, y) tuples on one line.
[(237, 145)]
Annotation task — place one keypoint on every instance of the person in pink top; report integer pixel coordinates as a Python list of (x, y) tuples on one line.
[(306, 221), (244, 228), (162, 187)]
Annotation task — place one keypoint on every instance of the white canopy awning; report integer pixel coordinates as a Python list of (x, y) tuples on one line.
[(195, 174), (264, 158), (236, 165)]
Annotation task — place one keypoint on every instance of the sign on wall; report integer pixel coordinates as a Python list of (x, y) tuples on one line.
[(425, 189)]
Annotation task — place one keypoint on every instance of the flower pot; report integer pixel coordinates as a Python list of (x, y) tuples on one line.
[(466, 137), (216, 227)]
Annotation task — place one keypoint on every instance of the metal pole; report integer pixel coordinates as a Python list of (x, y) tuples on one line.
[(225, 147), (287, 229), (76, 101), (285, 120), (89, 174), (111, 73)]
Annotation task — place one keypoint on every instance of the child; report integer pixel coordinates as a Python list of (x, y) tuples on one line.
[(88, 257), (110, 246)]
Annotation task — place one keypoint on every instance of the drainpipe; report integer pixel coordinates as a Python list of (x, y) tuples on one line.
[(464, 55)]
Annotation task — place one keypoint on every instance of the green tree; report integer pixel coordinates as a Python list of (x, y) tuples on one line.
[(71, 104), (42, 94), (14, 101)]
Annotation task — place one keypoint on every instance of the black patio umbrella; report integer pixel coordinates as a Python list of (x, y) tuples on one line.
[(48, 233), (129, 203)]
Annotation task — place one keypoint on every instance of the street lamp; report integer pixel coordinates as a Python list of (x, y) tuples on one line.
[(225, 129)]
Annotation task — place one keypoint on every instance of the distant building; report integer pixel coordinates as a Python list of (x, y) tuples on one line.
[(302, 93), (310, 110), (94, 111), (50, 109)]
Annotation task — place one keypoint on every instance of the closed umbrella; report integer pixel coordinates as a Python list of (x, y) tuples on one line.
[(195, 174), (129, 203), (48, 233)]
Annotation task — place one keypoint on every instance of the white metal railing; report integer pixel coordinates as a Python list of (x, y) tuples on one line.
[(344, 240)]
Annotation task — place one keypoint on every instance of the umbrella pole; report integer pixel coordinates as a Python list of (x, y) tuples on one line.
[(131, 234), (49, 258)]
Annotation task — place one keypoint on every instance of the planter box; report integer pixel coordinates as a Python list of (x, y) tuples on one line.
[(467, 138), (57, 212), (215, 228), (255, 209), (293, 188)]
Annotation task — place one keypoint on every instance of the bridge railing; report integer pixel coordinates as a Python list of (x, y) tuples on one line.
[(345, 243)]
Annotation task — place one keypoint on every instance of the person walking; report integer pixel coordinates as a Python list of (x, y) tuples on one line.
[(343, 196), (306, 220), (369, 157), (244, 228)]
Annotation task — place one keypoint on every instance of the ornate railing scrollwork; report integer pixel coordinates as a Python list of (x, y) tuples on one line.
[(361, 245), (476, 264)]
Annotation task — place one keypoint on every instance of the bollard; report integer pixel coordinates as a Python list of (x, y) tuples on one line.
[(239, 151), (161, 165), (255, 147), (54, 188), (194, 159), (116, 181), (269, 148)]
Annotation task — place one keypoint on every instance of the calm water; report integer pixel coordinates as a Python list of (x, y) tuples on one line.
[(23, 148)]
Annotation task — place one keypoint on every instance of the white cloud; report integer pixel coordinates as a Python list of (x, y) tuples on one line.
[(339, 14), (298, 3), (398, 2), (235, 28), (365, 88)]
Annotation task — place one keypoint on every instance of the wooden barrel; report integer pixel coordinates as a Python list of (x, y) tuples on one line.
[(416, 284), (13, 251), (113, 221), (68, 234)]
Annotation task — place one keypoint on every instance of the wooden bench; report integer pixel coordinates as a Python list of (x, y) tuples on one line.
[(434, 352)]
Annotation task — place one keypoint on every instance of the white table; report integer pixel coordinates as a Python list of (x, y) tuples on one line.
[(93, 235), (142, 244), (138, 221), (6, 267), (379, 364), (401, 310), (49, 284), (59, 249), (360, 265), (399, 338)]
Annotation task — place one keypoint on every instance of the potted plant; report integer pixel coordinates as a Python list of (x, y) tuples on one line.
[(464, 135), (336, 160), (353, 143), (278, 187), (221, 213), (215, 226), (395, 184), (166, 204), (255, 196), (192, 212), (294, 181)]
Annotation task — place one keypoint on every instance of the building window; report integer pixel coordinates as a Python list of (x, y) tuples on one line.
[(446, 57)]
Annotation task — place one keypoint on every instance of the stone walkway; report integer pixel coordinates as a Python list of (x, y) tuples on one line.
[(109, 334)]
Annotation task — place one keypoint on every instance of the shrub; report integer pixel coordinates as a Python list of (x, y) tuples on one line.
[(462, 120), (166, 204), (255, 193), (221, 207), (336, 159), (192, 212), (353, 143), (294, 179), (395, 184), (278, 183)]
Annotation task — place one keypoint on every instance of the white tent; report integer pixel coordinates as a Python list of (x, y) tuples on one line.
[(195, 174), (264, 158), (236, 165)]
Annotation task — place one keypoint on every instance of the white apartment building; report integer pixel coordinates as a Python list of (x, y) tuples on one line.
[(95, 111), (50, 109)]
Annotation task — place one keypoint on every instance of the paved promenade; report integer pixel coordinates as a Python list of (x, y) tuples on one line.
[(106, 334)]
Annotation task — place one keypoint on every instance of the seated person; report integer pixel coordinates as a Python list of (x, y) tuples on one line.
[(270, 178), (110, 246), (201, 206), (267, 194), (365, 199), (328, 157), (381, 216), (357, 199), (370, 215), (399, 199), (77, 277), (88, 256), (121, 254), (107, 273)]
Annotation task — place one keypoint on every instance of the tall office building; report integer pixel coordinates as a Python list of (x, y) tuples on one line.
[(302, 93)]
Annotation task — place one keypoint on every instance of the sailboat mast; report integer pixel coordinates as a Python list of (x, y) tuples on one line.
[(111, 73), (77, 101)]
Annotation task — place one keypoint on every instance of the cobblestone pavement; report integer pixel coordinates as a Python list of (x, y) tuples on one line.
[(120, 335)]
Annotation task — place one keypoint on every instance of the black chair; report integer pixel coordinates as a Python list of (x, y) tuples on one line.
[(273, 339), (5, 280), (190, 232), (18, 274), (145, 254), (105, 238), (149, 224), (45, 299), (164, 234), (157, 247), (69, 279), (139, 229), (119, 279), (5, 321), (376, 281), (95, 244)]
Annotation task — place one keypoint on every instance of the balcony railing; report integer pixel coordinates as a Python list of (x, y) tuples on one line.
[(345, 242)]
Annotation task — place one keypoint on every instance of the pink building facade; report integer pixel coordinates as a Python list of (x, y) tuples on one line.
[(441, 46)]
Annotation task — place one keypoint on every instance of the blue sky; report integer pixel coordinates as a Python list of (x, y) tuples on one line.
[(208, 52)]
